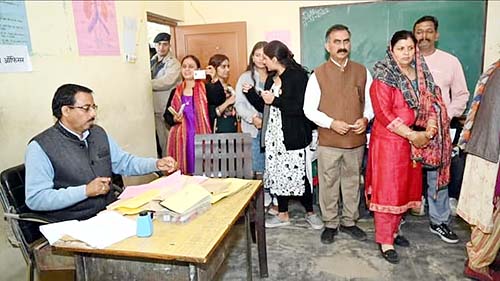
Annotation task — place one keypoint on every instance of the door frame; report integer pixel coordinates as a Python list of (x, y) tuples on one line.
[(173, 23)]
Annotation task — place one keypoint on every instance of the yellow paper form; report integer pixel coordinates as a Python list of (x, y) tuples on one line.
[(186, 198), (235, 185), (133, 205)]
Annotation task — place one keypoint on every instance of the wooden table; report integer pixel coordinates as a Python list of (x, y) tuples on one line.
[(191, 251)]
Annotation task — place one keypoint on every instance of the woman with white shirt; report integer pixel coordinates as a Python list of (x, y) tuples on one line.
[(252, 80)]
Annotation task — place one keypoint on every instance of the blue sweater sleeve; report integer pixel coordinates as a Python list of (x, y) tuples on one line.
[(126, 164), (40, 192)]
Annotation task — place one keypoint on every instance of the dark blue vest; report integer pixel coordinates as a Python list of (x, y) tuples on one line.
[(76, 163)]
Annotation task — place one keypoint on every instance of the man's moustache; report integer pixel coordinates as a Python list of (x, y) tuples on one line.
[(342, 51), (421, 40)]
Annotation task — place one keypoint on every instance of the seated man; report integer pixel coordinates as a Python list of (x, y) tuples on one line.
[(69, 165)]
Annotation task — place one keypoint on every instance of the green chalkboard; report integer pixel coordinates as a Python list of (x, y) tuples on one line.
[(461, 27)]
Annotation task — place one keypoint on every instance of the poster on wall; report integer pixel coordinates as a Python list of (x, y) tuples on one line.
[(14, 28), (14, 58), (96, 30)]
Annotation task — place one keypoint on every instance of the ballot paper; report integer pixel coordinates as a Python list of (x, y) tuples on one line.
[(230, 187), (172, 183), (190, 197), (54, 231), (101, 231)]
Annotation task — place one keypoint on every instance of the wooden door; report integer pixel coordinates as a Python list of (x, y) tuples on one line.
[(206, 40)]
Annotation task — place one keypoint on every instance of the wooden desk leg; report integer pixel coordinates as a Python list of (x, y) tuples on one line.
[(249, 244), (261, 233), (80, 268)]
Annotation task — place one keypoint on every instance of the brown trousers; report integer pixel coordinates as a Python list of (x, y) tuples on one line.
[(339, 171)]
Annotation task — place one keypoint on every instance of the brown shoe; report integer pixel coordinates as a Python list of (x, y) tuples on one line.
[(481, 276)]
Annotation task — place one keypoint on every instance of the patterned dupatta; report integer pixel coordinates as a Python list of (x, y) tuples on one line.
[(176, 145), (428, 104), (476, 102)]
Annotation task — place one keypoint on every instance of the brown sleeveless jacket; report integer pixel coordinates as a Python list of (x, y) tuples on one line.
[(342, 98)]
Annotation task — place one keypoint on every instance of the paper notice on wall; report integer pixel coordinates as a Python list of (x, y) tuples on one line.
[(281, 35), (14, 58), (96, 30), (14, 24), (129, 38)]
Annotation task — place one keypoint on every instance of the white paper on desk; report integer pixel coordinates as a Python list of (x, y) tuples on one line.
[(103, 230), (54, 231)]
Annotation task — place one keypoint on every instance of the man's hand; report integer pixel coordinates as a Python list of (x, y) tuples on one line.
[(98, 186), (167, 165), (360, 126), (340, 127)]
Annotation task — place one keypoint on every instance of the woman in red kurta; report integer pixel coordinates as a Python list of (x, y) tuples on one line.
[(403, 97), (192, 119)]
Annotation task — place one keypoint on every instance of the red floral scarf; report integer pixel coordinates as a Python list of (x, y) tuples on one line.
[(437, 154), (176, 145)]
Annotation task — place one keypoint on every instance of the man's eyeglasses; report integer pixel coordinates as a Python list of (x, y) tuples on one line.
[(86, 107)]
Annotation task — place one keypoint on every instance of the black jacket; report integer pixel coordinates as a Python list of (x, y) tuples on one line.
[(297, 129)]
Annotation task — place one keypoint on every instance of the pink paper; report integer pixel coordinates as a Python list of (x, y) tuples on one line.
[(96, 31), (173, 182), (281, 35)]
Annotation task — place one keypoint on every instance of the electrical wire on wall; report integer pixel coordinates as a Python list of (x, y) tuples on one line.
[(198, 12)]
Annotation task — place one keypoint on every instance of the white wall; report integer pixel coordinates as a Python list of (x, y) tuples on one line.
[(122, 90), (492, 40)]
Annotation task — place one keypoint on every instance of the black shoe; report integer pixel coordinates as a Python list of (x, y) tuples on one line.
[(355, 232), (327, 235), (444, 232), (400, 240), (389, 255)]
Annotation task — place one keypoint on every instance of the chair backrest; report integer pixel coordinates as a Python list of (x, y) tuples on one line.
[(224, 155), (12, 195)]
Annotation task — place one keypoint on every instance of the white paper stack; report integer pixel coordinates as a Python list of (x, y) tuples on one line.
[(101, 231)]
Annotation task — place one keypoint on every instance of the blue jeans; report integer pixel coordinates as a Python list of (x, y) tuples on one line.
[(439, 207)]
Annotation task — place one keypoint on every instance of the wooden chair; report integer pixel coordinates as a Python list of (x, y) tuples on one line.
[(24, 225), (224, 155), (230, 155)]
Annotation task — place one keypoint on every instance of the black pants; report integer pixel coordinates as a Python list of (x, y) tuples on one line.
[(306, 199)]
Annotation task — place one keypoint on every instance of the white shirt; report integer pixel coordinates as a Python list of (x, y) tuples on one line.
[(313, 97)]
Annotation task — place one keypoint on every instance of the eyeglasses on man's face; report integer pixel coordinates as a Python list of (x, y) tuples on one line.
[(85, 108)]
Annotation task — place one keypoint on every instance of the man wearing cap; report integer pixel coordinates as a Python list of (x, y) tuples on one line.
[(165, 74)]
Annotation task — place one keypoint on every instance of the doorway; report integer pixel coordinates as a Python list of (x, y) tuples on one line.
[(206, 40)]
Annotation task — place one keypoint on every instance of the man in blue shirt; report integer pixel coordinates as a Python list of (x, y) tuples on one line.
[(69, 165)]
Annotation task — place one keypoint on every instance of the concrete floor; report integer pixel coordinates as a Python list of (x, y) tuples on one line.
[(12, 265), (296, 253)]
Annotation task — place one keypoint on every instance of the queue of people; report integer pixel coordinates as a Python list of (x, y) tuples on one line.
[(415, 90)]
